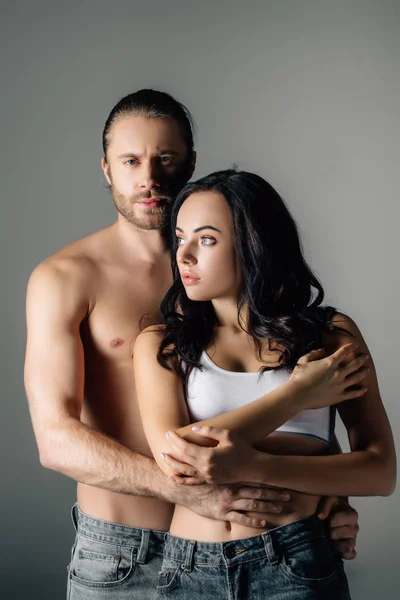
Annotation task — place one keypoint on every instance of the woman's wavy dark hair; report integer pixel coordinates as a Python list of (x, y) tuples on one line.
[(282, 293)]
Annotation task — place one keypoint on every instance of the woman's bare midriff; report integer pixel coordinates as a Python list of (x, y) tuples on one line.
[(188, 524)]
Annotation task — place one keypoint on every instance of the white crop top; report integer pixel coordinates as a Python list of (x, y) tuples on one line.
[(213, 391)]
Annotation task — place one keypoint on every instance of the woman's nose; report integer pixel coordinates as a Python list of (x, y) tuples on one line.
[(186, 256)]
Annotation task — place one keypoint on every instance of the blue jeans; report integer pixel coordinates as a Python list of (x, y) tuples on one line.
[(111, 561), (293, 562)]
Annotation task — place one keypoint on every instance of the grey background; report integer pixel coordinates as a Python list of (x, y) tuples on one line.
[(306, 93)]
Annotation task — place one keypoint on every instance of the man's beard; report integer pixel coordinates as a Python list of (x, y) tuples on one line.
[(125, 205)]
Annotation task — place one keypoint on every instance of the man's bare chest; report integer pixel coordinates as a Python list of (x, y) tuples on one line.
[(121, 309)]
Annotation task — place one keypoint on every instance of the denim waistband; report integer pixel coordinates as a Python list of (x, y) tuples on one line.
[(269, 544), (146, 540)]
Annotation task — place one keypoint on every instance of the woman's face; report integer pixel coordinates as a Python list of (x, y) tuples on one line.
[(206, 253)]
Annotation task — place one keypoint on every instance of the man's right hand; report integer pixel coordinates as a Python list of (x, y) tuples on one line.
[(248, 506)]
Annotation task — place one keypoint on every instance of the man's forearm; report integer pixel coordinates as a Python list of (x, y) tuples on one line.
[(88, 456)]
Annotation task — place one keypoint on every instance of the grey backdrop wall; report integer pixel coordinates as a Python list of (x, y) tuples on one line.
[(304, 92)]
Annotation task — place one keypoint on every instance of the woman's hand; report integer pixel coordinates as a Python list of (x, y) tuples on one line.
[(329, 380), (227, 462)]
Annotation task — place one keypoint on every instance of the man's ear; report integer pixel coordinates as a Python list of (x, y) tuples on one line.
[(193, 163), (105, 167)]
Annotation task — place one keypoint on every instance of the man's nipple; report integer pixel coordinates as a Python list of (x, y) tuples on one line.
[(116, 342)]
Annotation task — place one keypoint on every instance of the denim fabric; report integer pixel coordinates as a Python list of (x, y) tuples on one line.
[(111, 561), (293, 562)]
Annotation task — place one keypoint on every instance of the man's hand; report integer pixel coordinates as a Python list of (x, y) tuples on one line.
[(248, 506), (343, 524)]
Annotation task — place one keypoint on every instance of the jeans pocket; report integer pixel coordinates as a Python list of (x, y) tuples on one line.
[(169, 575), (101, 564), (312, 561)]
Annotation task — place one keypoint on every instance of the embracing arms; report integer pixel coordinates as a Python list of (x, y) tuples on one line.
[(58, 301), (369, 469), (313, 384)]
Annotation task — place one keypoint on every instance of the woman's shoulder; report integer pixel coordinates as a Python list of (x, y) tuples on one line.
[(344, 330), (150, 337)]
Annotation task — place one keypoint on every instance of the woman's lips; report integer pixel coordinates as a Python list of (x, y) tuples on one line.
[(189, 278)]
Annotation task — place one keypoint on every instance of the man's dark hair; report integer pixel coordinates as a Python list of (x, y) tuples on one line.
[(155, 105)]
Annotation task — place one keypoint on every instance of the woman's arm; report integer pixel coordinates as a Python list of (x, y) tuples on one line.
[(369, 469), (316, 382), (163, 407)]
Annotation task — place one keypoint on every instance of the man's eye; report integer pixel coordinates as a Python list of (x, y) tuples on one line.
[(165, 160), (207, 240), (131, 161)]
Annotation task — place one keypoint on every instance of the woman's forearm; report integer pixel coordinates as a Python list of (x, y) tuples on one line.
[(257, 419), (359, 473)]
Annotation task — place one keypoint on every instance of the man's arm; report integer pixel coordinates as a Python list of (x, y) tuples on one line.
[(57, 303)]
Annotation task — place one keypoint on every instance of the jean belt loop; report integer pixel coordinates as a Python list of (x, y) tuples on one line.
[(188, 564), (272, 556), (144, 546), (75, 516)]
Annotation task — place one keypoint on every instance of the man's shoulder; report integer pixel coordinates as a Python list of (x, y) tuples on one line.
[(77, 262)]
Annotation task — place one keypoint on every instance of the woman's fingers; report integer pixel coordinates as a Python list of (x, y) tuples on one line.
[(178, 466), (342, 354), (350, 394), (185, 449), (356, 377), (354, 365)]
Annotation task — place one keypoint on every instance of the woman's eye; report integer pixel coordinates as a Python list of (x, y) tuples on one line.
[(179, 241), (207, 240)]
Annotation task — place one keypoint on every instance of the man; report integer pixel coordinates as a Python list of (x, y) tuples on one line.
[(85, 306)]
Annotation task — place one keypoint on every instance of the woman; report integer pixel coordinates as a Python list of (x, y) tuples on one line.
[(243, 308)]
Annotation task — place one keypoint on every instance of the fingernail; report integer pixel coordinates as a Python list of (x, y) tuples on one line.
[(285, 496), (195, 428), (168, 434), (162, 455), (263, 523), (278, 509)]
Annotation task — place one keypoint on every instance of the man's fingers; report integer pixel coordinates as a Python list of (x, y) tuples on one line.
[(346, 532), (326, 505), (345, 516), (260, 493), (346, 549), (243, 519), (255, 507), (188, 480)]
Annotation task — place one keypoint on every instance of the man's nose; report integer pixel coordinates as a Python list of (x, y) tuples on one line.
[(149, 179)]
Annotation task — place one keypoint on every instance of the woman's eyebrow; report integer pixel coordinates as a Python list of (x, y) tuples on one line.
[(200, 229)]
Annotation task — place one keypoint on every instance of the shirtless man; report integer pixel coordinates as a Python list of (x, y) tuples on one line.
[(84, 310)]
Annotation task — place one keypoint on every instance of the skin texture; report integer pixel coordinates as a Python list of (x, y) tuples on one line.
[(209, 271), (84, 310)]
